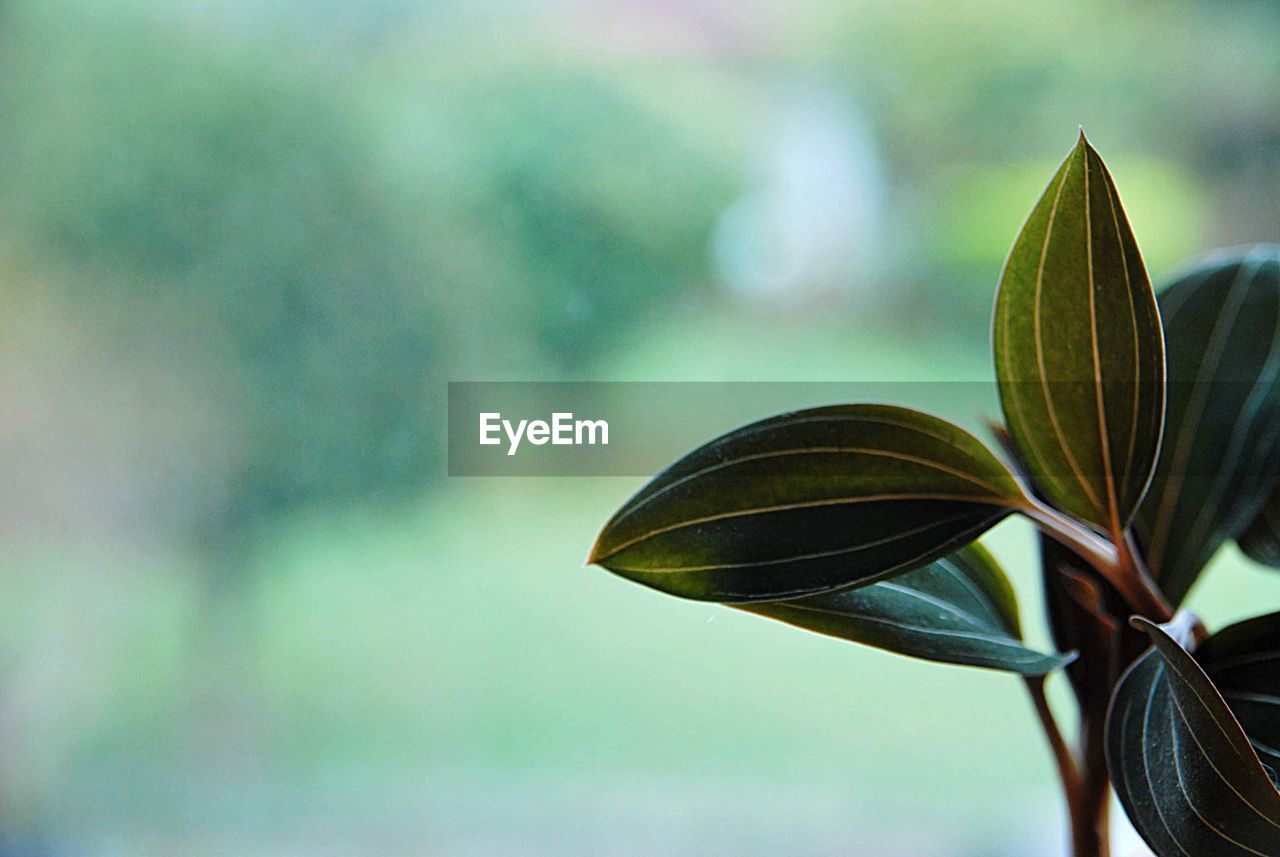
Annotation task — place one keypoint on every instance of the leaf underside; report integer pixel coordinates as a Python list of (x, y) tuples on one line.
[(959, 609), (1182, 766), (1222, 337), (1079, 350), (808, 502)]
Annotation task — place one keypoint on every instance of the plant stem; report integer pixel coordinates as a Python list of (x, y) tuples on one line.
[(1117, 561), (1071, 533), (1090, 827), (1086, 781), (1136, 568), (1067, 770), (1085, 784)]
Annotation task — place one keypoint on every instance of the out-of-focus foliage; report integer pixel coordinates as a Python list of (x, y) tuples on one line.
[(235, 202), (232, 196), (969, 98), (603, 214), (564, 210)]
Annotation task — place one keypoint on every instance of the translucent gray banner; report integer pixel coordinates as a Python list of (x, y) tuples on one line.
[(638, 428)]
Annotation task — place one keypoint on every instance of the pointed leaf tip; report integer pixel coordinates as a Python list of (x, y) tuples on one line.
[(593, 555), (958, 610), (1078, 348), (808, 502)]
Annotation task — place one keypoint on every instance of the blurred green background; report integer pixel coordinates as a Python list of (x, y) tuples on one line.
[(243, 246)]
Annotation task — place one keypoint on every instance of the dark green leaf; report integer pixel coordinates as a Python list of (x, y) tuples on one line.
[(1222, 338), (809, 502), (1183, 768), (1078, 348), (1243, 661), (1261, 539), (959, 610)]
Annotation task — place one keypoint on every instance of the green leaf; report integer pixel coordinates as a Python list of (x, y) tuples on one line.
[(1261, 539), (809, 502), (1182, 766), (1078, 348), (1243, 661), (1222, 339), (958, 610)]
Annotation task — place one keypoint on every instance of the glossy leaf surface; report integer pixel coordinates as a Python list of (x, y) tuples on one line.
[(1078, 348), (808, 502), (959, 609), (1261, 539), (1181, 764), (1222, 335)]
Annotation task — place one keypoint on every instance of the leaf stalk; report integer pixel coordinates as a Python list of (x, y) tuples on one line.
[(1116, 561)]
